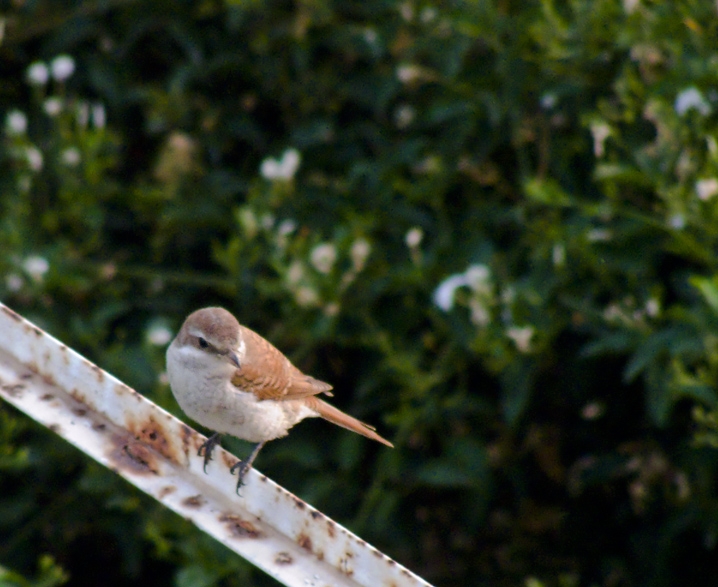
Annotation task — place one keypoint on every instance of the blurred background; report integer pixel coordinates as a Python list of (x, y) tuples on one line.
[(491, 225)]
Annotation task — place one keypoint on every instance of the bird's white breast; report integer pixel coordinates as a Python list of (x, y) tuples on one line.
[(201, 383)]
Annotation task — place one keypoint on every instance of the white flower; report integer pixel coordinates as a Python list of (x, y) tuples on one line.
[(15, 123), (630, 5), (36, 267), (34, 158), (158, 335), (653, 307), (414, 237), (99, 116), (613, 313), (480, 314), (600, 131), (323, 257), (430, 164), (428, 14), (248, 221), (408, 73), (267, 221), (359, 253), (548, 100), (593, 410), (677, 222), (521, 337), (598, 235), (478, 278), (691, 98), (404, 115), (83, 113), (285, 168), (295, 273), (370, 35), (306, 296), (286, 227), (52, 106), (558, 254), (407, 11), (446, 292), (707, 188), (37, 74), (508, 295), (62, 67), (71, 156), (331, 309), (14, 282)]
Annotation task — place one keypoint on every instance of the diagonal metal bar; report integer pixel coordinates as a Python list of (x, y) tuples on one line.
[(273, 529)]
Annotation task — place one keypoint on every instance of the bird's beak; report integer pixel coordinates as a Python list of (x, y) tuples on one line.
[(233, 358)]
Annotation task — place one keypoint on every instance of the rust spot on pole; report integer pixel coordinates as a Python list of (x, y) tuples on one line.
[(228, 459), (13, 389), (99, 373), (166, 490), (194, 501), (15, 316), (133, 456), (238, 527), (283, 558), (152, 433), (305, 542), (345, 562)]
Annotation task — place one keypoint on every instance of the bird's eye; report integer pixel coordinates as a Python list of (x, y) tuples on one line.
[(203, 344)]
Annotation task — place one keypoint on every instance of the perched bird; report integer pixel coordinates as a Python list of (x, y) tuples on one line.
[(231, 380)]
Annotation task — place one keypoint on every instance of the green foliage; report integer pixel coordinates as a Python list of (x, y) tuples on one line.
[(49, 575), (492, 226)]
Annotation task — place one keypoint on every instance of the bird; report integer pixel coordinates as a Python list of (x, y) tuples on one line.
[(233, 381)]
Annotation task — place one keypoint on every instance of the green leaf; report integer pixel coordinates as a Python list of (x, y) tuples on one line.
[(546, 191), (708, 288), (440, 473), (623, 173), (195, 576), (613, 343), (649, 352), (516, 386), (701, 393)]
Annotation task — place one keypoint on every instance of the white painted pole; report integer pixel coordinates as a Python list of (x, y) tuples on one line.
[(124, 431)]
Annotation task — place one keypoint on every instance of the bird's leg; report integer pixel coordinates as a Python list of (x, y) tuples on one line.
[(206, 449), (245, 466)]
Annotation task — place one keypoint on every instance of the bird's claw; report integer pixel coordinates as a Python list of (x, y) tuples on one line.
[(243, 467), (206, 449)]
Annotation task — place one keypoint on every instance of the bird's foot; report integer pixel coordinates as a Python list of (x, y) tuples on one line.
[(243, 467), (207, 447)]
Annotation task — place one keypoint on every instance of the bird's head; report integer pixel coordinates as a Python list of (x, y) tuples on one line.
[(214, 332)]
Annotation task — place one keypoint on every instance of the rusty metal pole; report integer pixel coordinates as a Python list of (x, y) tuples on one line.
[(124, 431)]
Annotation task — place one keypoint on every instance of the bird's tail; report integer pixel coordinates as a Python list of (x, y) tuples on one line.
[(339, 418)]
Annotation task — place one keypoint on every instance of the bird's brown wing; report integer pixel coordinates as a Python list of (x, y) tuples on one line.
[(267, 373)]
